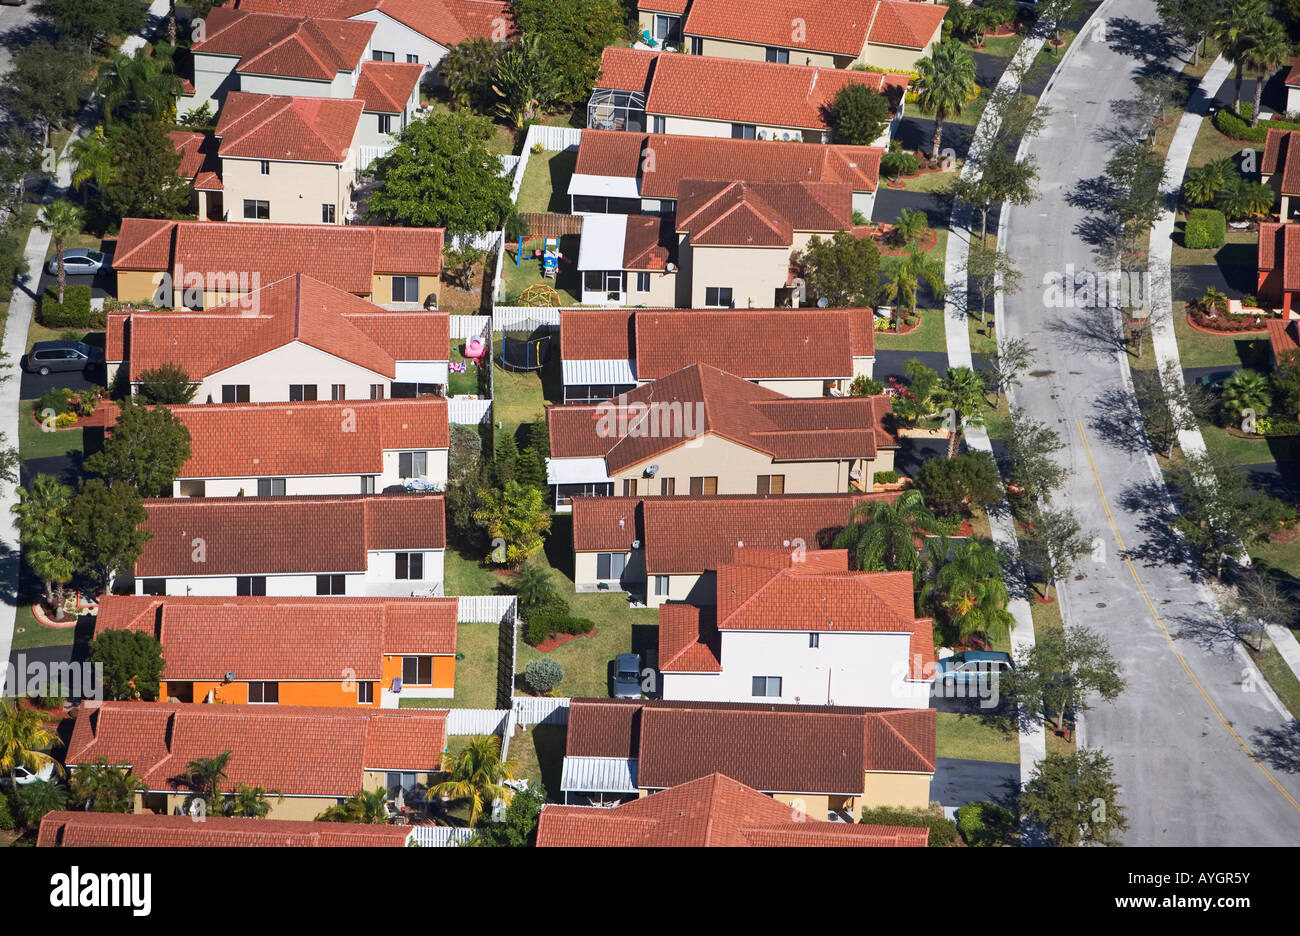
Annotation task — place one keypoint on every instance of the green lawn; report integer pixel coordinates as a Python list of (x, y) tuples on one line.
[(929, 336), (520, 396), (464, 383), (1239, 249), (538, 753), (546, 182), (933, 181), (1199, 349), (1283, 556), (1279, 676), (476, 669), (1001, 46), (515, 279), (1210, 145), (28, 632), (35, 442), (970, 737), (464, 574), (1234, 450)]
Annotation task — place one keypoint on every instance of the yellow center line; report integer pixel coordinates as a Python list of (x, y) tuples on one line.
[(1119, 540)]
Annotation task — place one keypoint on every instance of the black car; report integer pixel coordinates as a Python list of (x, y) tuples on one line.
[(49, 356)]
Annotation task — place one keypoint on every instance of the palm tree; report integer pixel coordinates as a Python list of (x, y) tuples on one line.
[(533, 586), (1236, 24), (37, 799), (962, 391), (94, 158), (477, 773), (1204, 183), (883, 535), (252, 802), (23, 736), (1268, 51), (1242, 199), (468, 68), (43, 531), (101, 787), (61, 220), (910, 225), (916, 268), (967, 588), (368, 807), (141, 83), (945, 85), (205, 776), (525, 82), (1245, 390)]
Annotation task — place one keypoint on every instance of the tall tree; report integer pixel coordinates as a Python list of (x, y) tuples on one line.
[(477, 773), (1138, 173), (967, 588), (517, 517), (518, 827), (905, 280), (147, 449), (102, 787), (24, 740), (205, 776), (1194, 20), (141, 84), (858, 115), (1235, 28), (962, 391), (45, 84), (573, 34), (61, 220), (132, 662), (885, 535), (1008, 363), (468, 68), (106, 528), (45, 533), (843, 270), (146, 182), (945, 84), (92, 22), (1056, 544), (990, 272), (1075, 798), (525, 82), (1031, 457)]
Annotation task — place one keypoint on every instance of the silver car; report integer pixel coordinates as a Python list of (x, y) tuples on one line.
[(79, 262)]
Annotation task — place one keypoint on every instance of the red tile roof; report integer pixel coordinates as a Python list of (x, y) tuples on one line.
[(1279, 249), (285, 535), (386, 87), (772, 748), (645, 243), (297, 750), (347, 257), (286, 46), (1282, 156), (827, 25), (199, 163), (700, 400), (447, 22), (297, 129), (148, 830), (687, 535), (596, 334), (321, 639), (662, 161), (296, 309), (711, 811), (689, 641), (249, 440), (704, 87), (760, 214), (1292, 79), (1284, 336)]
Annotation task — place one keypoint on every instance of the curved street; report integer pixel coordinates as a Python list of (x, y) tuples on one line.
[(1203, 752)]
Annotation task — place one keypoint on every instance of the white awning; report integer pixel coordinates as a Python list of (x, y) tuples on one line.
[(604, 186), (576, 471), (606, 371), (601, 246), (599, 775)]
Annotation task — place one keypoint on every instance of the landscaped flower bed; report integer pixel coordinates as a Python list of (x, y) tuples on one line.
[(1210, 313), (67, 407)]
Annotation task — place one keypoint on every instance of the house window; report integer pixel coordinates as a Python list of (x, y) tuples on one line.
[(772, 54), (331, 584), (697, 45), (367, 484), (609, 566), (385, 123), (406, 289), (771, 484), (270, 487), (718, 296), (707, 485), (400, 781), (661, 585), (266, 167), (257, 210), (338, 391), (417, 671), (629, 487), (153, 586), (410, 565), (814, 640), (643, 282), (743, 131), (376, 391), (381, 56), (234, 393), (299, 392), (249, 585), (667, 485), (193, 488), (767, 686), (412, 58), (264, 693), (412, 464), (327, 214), (668, 28), (365, 693), (657, 124)]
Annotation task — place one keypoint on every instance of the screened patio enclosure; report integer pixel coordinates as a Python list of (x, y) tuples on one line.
[(609, 109)]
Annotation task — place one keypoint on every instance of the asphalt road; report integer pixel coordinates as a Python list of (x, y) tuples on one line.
[(1177, 734)]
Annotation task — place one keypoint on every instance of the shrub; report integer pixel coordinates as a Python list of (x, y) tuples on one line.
[(985, 823), (1238, 126), (6, 815), (1276, 426), (65, 420), (1206, 227), (575, 625), (894, 164), (950, 484), (942, 831), (542, 676), (73, 313), (864, 386), (885, 477), (910, 320), (539, 628), (56, 399)]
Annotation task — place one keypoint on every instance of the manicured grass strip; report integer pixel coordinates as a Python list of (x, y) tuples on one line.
[(966, 737)]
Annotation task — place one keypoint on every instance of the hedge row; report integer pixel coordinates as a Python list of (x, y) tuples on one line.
[(73, 313), (1206, 227), (1232, 124)]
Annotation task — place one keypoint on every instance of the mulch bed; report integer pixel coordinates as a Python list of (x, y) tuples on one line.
[(907, 329), (38, 612), (1223, 333), (550, 643), (891, 251)]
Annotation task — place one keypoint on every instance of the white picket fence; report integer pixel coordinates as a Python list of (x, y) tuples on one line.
[(508, 164), (440, 836), (468, 412), (485, 609), (512, 721), (464, 327), (512, 318), (540, 711), (466, 721), (487, 241), (370, 153)]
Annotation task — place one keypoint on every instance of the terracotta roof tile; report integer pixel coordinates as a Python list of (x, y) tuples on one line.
[(711, 811), (447, 22), (386, 87), (760, 214), (297, 129), (829, 26), (645, 244), (689, 641), (596, 334), (278, 535), (1284, 336), (286, 46), (148, 830), (318, 639), (1279, 248), (297, 750), (1282, 156)]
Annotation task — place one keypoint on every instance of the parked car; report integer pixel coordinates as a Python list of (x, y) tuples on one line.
[(627, 676), (49, 356), (78, 261), (23, 776), (970, 668)]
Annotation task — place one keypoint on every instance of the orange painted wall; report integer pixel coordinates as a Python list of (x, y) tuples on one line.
[(444, 671)]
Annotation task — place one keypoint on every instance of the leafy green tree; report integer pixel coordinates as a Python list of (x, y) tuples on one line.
[(46, 82), (145, 182), (477, 773), (573, 35), (1286, 386), (1235, 29), (905, 281), (132, 661), (106, 529), (991, 271), (24, 739), (101, 787), (1064, 669), (1054, 13), (1000, 178), (442, 174), (466, 476), (962, 391), (1138, 175), (44, 531), (517, 516), (61, 220), (858, 115), (459, 260), (542, 676), (468, 68), (205, 776), (167, 385), (945, 83), (952, 485), (884, 535), (1167, 406), (147, 449), (1243, 200), (505, 466), (1013, 355), (1056, 544), (843, 270), (530, 470), (1031, 456), (38, 798), (1075, 798), (525, 84), (91, 22), (95, 161), (967, 588), (1193, 19), (1204, 183), (367, 806), (142, 84), (1245, 390), (910, 224), (251, 802), (518, 827), (918, 402)]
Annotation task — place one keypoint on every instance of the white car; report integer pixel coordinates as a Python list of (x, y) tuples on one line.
[(79, 262), (25, 776)]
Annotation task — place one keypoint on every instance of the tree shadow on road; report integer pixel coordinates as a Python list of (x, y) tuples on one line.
[(1117, 421), (1162, 545), (1212, 630), (1279, 747), (1153, 43), (1095, 332)]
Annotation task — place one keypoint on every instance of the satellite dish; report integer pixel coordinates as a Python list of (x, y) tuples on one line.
[(671, 268), (651, 470), (636, 544), (785, 136), (822, 303), (762, 134)]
